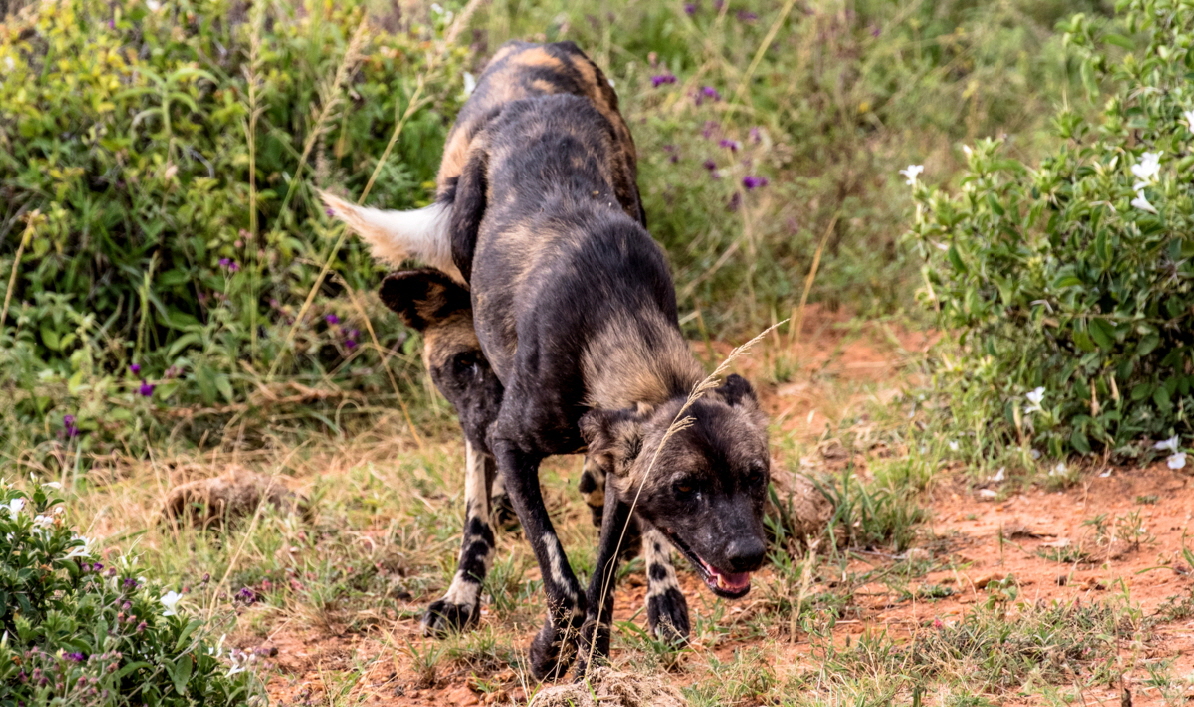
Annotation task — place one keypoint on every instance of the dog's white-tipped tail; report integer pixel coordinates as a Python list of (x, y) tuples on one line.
[(395, 236)]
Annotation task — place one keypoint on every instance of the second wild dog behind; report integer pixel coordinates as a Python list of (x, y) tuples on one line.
[(575, 312)]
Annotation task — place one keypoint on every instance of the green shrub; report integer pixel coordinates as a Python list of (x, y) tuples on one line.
[(77, 633), (1071, 286), (155, 170)]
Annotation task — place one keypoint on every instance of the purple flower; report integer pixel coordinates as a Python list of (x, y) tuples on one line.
[(718, 4), (112, 23), (659, 80), (77, 657), (332, 319), (732, 145), (734, 202), (146, 389), (750, 182), (97, 567), (135, 368), (246, 595), (329, 212), (690, 8), (68, 420), (225, 262), (755, 136), (233, 266), (711, 93), (710, 165), (747, 16), (350, 344)]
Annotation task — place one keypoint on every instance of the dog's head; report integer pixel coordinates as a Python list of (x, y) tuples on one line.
[(704, 486), (433, 304)]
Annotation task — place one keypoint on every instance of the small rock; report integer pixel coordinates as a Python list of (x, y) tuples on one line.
[(461, 696), (986, 579)]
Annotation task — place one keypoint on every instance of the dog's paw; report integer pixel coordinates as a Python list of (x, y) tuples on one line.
[(667, 616), (552, 652), (444, 617)]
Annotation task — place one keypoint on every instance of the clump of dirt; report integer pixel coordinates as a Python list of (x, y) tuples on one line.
[(803, 510), (610, 688), (212, 503)]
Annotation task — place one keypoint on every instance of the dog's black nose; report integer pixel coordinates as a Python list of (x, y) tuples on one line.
[(746, 554)]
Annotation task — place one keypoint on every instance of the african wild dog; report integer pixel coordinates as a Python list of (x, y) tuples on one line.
[(575, 311), (431, 303)]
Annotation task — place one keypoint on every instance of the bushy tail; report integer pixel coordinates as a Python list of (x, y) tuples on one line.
[(395, 236)]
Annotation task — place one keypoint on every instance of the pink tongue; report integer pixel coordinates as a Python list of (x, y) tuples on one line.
[(733, 581)]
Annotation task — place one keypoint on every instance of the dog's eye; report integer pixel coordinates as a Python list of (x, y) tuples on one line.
[(684, 488), (756, 474)]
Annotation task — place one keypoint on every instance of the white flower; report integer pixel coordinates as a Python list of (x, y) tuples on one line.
[(85, 549), (153, 5), (1188, 115), (969, 152), (171, 602), (1148, 167), (912, 173), (1141, 202), (239, 661), (1177, 461), (52, 485), (1058, 470), (998, 476), (1034, 453), (43, 522), (1170, 444), (437, 8), (470, 83), (1105, 474), (953, 446), (14, 507), (1035, 396)]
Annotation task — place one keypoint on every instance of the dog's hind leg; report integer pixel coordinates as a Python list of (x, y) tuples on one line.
[(460, 606), (667, 609)]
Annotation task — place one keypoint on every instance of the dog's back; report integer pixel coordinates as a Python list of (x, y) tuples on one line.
[(522, 70)]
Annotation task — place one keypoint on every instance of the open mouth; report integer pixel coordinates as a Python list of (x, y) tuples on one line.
[(730, 585)]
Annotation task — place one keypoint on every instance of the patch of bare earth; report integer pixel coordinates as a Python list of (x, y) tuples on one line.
[(1117, 538)]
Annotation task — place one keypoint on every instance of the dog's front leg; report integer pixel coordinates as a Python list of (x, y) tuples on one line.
[(460, 606), (615, 529), (667, 609), (554, 647)]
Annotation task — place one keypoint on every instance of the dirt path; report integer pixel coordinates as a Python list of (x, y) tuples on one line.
[(1113, 540)]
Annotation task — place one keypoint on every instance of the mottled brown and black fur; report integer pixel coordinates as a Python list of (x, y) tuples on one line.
[(575, 311), (433, 304)]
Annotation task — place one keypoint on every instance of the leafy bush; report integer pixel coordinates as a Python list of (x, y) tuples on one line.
[(155, 171), (1071, 286), (77, 633)]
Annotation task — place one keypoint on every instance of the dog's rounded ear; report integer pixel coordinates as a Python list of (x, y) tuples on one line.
[(736, 390), (423, 297), (614, 437)]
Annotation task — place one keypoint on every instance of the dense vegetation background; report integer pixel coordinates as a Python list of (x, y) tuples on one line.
[(170, 275)]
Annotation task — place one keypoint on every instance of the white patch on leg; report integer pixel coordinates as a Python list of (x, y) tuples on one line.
[(463, 591), (657, 551), (556, 560)]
